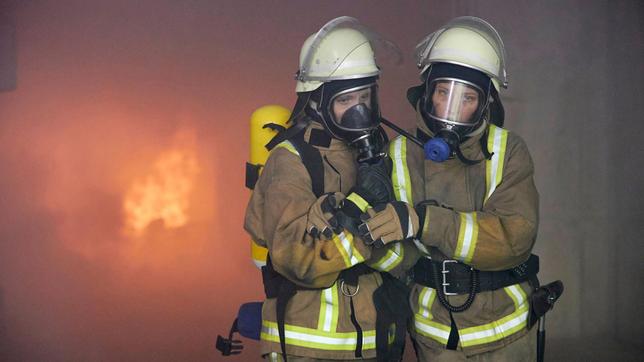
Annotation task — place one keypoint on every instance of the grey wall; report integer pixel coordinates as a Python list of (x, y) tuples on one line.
[(7, 48), (575, 95)]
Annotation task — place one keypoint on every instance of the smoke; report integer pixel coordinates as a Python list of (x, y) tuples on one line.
[(83, 281), (122, 192), (122, 150)]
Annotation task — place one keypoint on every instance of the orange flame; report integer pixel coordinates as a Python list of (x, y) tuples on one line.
[(164, 194)]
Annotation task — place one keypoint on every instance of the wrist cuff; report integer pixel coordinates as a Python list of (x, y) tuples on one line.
[(358, 201)]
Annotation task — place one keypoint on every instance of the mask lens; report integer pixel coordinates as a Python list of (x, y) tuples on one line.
[(355, 109), (455, 102)]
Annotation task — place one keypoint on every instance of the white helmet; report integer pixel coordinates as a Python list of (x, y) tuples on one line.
[(462, 67), (466, 41), (341, 49)]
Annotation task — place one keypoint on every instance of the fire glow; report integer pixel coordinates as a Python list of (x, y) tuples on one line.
[(163, 194)]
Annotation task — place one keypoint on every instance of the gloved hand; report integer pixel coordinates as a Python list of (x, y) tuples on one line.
[(390, 222), (321, 221), (373, 184)]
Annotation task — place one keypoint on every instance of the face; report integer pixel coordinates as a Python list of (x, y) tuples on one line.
[(455, 101), (345, 101)]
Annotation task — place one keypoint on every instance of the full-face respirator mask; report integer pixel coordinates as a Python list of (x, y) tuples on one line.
[(453, 107)]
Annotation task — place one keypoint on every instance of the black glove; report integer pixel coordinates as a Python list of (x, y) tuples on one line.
[(373, 184)]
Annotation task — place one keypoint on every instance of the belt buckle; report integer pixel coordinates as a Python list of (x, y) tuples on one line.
[(444, 271)]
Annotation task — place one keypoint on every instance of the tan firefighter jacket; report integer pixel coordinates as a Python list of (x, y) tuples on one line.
[(488, 219), (317, 322)]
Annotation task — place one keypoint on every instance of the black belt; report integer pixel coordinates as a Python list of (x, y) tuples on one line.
[(457, 277)]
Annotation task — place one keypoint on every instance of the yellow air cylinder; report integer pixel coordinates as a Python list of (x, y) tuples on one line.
[(259, 137)]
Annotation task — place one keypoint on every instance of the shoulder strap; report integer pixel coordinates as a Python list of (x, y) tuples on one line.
[(312, 161), (286, 134)]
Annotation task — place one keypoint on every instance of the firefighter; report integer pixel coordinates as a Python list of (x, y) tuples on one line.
[(473, 190), (320, 276)]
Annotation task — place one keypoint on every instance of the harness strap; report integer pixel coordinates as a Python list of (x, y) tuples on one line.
[(286, 292), (277, 286), (288, 133), (358, 328), (312, 160), (452, 340), (391, 313)]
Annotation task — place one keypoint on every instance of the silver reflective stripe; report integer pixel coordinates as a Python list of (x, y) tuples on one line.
[(478, 335), (424, 320), (410, 228), (391, 259), (497, 332), (517, 294), (344, 243), (431, 329), (501, 328), (467, 237), (423, 249), (329, 304), (400, 173), (425, 301), (311, 338)]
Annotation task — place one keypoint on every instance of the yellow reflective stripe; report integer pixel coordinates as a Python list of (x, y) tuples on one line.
[(496, 143), (496, 330), (344, 243), (425, 301), (392, 258), (517, 294), (425, 233), (400, 173), (503, 327), (472, 336), (289, 146), (423, 319), (329, 305), (391, 334), (361, 203), (312, 338), (468, 234), (434, 330)]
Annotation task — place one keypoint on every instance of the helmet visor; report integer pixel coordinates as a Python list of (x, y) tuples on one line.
[(454, 101), (356, 109)]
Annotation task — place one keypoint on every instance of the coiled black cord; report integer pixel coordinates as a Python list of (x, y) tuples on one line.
[(443, 299)]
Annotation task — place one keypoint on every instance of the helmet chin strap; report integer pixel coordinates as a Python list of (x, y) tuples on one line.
[(478, 129), (458, 151), (462, 158)]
